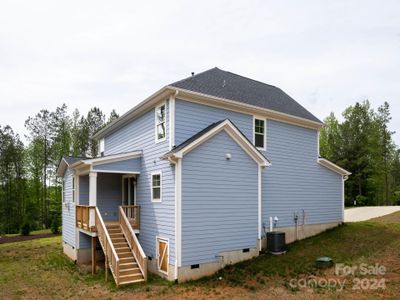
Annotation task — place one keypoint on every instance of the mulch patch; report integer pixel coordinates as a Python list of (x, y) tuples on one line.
[(20, 238)]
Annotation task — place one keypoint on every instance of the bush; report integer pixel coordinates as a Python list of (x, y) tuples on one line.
[(26, 228), (361, 200), (55, 225)]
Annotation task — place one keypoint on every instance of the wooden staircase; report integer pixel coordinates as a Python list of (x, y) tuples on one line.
[(123, 253), (129, 271)]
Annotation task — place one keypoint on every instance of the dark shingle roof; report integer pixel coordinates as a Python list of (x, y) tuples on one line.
[(71, 159), (223, 84)]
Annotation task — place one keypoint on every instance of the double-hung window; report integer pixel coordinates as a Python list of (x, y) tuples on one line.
[(156, 188), (259, 133), (160, 123)]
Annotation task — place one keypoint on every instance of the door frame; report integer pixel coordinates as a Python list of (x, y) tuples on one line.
[(129, 189), (165, 240)]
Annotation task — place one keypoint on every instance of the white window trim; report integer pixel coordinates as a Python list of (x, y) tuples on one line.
[(166, 240), (151, 186), (157, 140), (73, 189), (101, 147), (265, 132), (63, 190)]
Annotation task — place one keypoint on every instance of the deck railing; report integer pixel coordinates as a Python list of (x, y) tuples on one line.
[(85, 217), (132, 240), (132, 212), (111, 257)]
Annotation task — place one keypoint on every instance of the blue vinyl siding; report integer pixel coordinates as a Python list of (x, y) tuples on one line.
[(109, 195), (128, 165), (296, 181), (156, 219), (190, 118), (68, 211), (84, 190), (85, 241), (219, 200)]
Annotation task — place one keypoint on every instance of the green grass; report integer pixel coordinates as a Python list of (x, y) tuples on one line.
[(38, 268)]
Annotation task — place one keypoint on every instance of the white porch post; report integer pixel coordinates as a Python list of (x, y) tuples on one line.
[(92, 196)]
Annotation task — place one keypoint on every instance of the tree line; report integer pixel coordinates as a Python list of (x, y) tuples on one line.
[(30, 192), (362, 144)]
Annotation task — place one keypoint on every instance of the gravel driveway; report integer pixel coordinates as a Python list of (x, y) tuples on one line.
[(368, 212)]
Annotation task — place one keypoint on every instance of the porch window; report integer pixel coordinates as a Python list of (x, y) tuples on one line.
[(160, 123), (156, 187), (63, 190), (259, 133)]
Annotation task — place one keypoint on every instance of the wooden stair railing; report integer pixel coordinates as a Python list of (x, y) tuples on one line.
[(132, 240), (132, 212), (111, 257)]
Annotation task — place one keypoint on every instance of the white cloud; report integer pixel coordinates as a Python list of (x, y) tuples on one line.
[(327, 55)]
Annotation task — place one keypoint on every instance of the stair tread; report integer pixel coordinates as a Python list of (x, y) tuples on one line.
[(130, 275), (130, 270), (131, 281)]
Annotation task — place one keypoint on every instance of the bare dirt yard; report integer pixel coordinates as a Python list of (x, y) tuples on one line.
[(367, 254)]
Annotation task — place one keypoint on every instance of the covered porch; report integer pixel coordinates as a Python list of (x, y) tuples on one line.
[(106, 212), (108, 184)]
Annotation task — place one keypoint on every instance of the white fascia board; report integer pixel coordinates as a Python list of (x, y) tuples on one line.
[(333, 167), (61, 168), (108, 159), (136, 111), (247, 108), (188, 95)]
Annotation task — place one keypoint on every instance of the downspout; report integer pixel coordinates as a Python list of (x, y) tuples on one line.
[(344, 178), (259, 206), (178, 171)]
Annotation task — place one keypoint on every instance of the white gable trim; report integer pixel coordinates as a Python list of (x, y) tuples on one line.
[(333, 167), (108, 159), (62, 167), (234, 133), (205, 99), (241, 107)]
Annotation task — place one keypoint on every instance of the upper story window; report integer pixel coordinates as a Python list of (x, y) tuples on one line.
[(259, 133), (156, 187), (160, 123)]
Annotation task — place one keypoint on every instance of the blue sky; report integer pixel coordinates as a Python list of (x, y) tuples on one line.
[(113, 54)]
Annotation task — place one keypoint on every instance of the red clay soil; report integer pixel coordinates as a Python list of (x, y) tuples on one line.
[(20, 238)]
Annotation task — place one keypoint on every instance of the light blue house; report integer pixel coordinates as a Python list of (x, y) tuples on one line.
[(193, 177)]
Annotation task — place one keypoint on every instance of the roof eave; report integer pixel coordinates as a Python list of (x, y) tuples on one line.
[(135, 111), (333, 167), (251, 109)]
